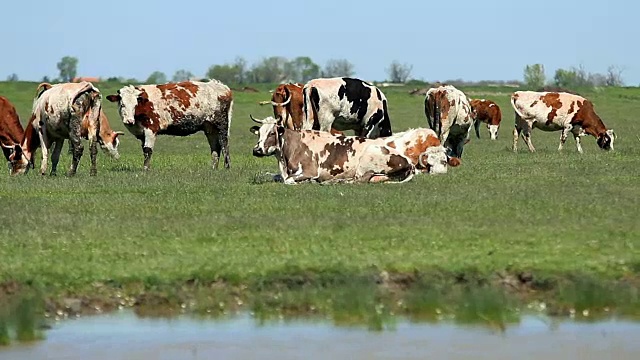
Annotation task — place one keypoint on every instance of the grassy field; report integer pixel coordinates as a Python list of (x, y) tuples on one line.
[(548, 214)]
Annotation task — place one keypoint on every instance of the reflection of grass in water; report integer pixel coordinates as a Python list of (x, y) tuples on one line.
[(360, 304), (486, 305), (586, 294), (20, 317)]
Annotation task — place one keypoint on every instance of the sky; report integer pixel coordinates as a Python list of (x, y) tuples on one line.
[(470, 40)]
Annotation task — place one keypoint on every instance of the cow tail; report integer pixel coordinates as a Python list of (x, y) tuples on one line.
[(436, 118), (315, 107), (385, 125), (305, 106)]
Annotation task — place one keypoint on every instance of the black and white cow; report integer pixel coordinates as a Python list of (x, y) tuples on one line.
[(344, 103)]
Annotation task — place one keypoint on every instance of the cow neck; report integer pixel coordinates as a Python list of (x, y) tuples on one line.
[(288, 145), (30, 142), (595, 129)]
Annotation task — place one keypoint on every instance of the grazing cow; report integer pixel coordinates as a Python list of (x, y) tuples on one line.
[(11, 131), (58, 113), (488, 112), (310, 155), (449, 114), (107, 138), (345, 104), (178, 109), (558, 111)]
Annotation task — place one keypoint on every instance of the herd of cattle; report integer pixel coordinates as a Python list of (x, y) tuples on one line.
[(305, 133)]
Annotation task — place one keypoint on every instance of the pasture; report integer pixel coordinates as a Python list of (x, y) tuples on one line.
[(182, 225)]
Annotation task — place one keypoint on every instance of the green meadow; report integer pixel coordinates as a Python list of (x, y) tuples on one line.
[(552, 225)]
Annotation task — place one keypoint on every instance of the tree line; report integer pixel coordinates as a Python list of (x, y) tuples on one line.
[(272, 69), (278, 69), (572, 78)]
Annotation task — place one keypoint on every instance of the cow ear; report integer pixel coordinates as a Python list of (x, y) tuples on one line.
[(114, 98), (255, 130), (17, 150), (280, 129)]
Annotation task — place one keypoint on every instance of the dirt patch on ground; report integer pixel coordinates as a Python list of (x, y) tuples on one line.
[(220, 296)]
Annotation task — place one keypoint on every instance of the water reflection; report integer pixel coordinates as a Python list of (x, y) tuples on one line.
[(123, 335)]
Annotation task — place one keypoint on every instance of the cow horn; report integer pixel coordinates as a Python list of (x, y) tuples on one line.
[(256, 120), (282, 103)]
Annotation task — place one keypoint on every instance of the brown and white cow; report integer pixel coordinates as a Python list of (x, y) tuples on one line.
[(558, 111), (58, 113), (178, 109), (449, 114), (319, 156), (488, 112), (345, 103), (288, 106), (11, 131)]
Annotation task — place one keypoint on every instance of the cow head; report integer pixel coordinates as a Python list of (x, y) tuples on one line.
[(435, 160), (109, 143), (128, 98), (18, 161), (605, 140), (280, 99), (269, 134)]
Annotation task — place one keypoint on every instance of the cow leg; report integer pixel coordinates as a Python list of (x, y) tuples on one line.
[(55, 156), (76, 144), (214, 144), (42, 133), (93, 153), (223, 139), (147, 147), (578, 132), (516, 134), (563, 136), (526, 136)]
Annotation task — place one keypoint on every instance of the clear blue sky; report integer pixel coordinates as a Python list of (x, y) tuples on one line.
[(472, 40)]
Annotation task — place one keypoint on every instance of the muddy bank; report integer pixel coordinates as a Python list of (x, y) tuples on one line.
[(352, 297)]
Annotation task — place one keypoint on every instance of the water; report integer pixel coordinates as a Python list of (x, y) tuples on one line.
[(122, 335)]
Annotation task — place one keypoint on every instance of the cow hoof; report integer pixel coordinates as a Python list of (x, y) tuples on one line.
[(53, 174), (71, 173), (93, 173)]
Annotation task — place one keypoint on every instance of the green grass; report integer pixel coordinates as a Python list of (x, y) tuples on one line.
[(549, 213)]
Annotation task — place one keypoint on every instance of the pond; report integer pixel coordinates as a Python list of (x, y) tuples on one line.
[(123, 335)]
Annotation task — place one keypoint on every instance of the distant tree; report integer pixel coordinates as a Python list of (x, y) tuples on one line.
[(614, 76), (301, 69), (534, 76), (68, 67), (572, 78), (12, 77), (182, 75), (234, 73), (114, 79), (337, 68), (269, 70), (157, 77), (45, 79), (399, 73)]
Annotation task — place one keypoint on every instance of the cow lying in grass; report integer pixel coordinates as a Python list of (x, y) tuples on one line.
[(320, 156)]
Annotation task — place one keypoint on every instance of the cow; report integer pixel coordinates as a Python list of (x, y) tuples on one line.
[(57, 114), (488, 112), (288, 105), (107, 138), (319, 156), (178, 109), (345, 103), (420, 146), (449, 114), (558, 111), (11, 131)]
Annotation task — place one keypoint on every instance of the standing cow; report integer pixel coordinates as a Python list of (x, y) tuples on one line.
[(58, 113), (11, 131), (449, 114), (178, 109), (345, 104), (488, 112), (558, 111), (318, 156)]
